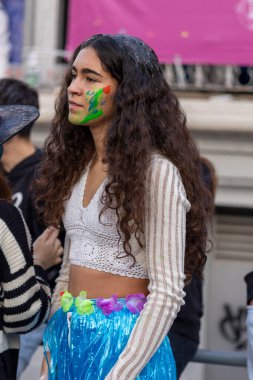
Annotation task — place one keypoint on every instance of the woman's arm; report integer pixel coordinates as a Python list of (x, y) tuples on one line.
[(25, 294), (61, 284), (165, 230), (62, 281)]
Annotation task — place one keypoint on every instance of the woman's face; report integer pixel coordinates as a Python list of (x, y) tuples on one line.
[(91, 91)]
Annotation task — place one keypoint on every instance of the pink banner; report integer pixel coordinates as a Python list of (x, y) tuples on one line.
[(198, 32)]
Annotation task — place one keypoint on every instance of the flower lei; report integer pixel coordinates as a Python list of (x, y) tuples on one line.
[(66, 300), (108, 305), (83, 305), (134, 303)]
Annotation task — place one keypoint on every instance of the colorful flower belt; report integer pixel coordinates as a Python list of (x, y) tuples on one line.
[(133, 302)]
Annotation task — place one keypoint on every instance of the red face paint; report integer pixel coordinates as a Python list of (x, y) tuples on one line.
[(107, 89)]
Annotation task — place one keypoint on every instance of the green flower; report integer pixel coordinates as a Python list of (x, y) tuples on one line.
[(66, 300), (83, 305)]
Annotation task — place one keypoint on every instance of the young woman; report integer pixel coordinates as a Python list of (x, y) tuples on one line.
[(24, 291), (122, 171)]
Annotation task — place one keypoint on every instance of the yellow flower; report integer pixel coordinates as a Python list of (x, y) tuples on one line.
[(83, 305), (66, 300)]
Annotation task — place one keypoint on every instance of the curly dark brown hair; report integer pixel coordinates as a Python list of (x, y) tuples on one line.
[(147, 118)]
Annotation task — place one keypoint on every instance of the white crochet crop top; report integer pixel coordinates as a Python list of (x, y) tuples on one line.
[(91, 244), (96, 244)]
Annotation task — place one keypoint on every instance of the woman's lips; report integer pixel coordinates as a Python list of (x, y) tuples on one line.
[(74, 106)]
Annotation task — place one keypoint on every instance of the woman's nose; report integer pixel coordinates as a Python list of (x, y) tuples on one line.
[(75, 87)]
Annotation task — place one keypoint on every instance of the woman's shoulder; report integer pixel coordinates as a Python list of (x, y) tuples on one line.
[(9, 212), (165, 176), (12, 221), (160, 162), (7, 207)]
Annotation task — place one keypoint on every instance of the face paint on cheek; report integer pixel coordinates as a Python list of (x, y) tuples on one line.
[(107, 90), (88, 95), (95, 101)]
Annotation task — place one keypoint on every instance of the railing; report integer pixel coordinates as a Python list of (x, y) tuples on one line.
[(230, 358), (45, 68), (207, 78)]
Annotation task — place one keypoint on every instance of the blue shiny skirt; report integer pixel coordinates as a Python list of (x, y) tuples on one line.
[(85, 347)]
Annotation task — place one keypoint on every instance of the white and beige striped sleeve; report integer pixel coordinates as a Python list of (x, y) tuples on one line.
[(62, 280), (165, 231)]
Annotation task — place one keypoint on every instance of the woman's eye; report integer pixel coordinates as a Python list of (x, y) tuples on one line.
[(73, 76), (91, 79)]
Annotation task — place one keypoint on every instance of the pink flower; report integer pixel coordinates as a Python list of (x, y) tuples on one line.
[(135, 302), (108, 305)]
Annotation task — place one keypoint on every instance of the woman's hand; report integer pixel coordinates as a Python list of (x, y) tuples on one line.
[(44, 369), (47, 248)]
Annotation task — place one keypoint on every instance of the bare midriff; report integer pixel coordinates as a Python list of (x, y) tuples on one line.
[(101, 284)]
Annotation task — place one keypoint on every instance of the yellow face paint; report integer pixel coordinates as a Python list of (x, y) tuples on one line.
[(95, 100)]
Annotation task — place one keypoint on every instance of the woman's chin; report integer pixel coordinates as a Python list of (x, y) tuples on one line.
[(73, 119)]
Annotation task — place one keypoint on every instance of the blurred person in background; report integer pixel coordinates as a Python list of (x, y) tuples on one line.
[(123, 172), (4, 41), (19, 161), (249, 322), (185, 332), (20, 156), (24, 289)]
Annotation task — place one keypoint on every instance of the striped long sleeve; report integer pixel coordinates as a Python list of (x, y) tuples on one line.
[(24, 291), (165, 230), (62, 280)]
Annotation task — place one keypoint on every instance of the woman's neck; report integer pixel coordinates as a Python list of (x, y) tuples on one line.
[(99, 137), (15, 151)]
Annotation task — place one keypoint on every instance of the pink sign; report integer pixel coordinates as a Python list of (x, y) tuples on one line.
[(198, 32)]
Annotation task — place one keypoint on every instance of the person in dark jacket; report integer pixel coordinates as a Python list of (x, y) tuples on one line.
[(20, 156), (185, 331), (19, 162), (24, 289)]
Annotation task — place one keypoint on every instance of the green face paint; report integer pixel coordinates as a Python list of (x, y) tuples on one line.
[(93, 111), (95, 101)]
